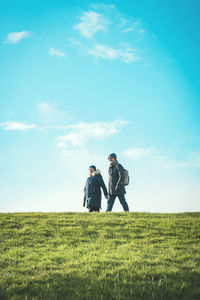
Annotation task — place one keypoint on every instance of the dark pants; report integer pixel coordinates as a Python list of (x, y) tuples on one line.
[(111, 201), (91, 209)]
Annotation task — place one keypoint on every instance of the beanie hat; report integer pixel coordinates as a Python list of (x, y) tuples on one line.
[(93, 167), (113, 155)]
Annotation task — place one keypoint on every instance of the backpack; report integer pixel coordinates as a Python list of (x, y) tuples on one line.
[(127, 177)]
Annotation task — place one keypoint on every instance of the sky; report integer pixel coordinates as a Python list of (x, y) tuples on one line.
[(82, 79)]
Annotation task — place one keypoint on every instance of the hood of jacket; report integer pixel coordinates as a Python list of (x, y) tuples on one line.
[(94, 173)]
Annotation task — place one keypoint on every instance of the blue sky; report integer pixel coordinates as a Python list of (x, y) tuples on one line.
[(82, 79)]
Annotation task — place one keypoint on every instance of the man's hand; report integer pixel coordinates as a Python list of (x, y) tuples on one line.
[(116, 188), (106, 196)]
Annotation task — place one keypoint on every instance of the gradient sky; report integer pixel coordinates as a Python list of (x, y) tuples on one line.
[(82, 79)]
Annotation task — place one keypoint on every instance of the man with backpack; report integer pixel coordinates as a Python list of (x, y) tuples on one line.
[(118, 178)]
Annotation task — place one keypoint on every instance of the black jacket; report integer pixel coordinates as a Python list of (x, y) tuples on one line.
[(116, 179), (92, 190)]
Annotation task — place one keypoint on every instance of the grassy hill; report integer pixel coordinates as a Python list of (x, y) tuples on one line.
[(99, 256)]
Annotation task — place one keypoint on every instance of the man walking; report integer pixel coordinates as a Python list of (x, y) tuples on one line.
[(116, 183)]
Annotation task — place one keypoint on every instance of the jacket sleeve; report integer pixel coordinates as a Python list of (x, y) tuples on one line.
[(102, 184), (121, 176)]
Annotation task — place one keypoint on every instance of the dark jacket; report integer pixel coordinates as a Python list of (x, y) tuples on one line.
[(92, 190), (116, 179)]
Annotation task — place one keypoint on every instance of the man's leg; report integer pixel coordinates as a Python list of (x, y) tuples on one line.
[(110, 203), (123, 202)]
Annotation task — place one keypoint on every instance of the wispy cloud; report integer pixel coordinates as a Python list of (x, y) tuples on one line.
[(49, 114), (16, 37), (126, 54), (103, 7), (132, 27), (137, 154), (79, 134), (191, 160), (44, 107), (91, 23), (153, 156), (112, 44), (54, 52), (11, 125), (137, 27)]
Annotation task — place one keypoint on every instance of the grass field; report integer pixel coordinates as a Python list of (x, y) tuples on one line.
[(99, 256)]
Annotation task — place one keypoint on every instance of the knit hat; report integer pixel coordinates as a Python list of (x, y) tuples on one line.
[(113, 155), (93, 167)]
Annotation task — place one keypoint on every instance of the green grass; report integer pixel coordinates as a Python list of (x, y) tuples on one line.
[(99, 256)]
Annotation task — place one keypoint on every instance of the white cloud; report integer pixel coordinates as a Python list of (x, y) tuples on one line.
[(49, 114), (54, 52), (192, 160), (91, 23), (15, 37), (104, 7), (151, 155), (137, 154), (103, 51), (132, 27), (80, 133), (125, 55), (83, 49), (44, 107), (97, 19), (17, 126), (137, 27), (128, 55)]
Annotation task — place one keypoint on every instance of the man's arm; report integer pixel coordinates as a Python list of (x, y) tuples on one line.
[(121, 179)]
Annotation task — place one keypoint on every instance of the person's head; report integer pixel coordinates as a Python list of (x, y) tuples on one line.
[(92, 169), (112, 157)]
